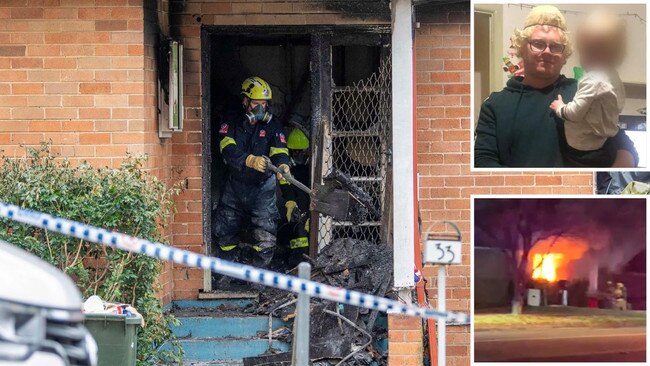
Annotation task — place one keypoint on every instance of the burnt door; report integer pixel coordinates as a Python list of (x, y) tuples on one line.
[(351, 128)]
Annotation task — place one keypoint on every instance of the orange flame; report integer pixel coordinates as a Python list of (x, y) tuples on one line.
[(545, 266), (550, 259)]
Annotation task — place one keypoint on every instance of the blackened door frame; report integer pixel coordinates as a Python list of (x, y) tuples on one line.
[(322, 38)]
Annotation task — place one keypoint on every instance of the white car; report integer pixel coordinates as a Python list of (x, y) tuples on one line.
[(41, 322)]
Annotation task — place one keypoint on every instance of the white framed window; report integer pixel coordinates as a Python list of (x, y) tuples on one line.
[(170, 101)]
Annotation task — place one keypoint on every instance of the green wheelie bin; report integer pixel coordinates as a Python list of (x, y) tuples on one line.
[(116, 337)]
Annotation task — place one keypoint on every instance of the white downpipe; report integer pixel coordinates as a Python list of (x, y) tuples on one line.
[(442, 325), (403, 171)]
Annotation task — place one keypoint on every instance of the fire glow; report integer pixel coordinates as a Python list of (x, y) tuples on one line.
[(545, 266), (550, 259)]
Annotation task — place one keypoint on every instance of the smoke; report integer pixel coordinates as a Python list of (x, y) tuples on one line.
[(615, 235), (615, 257), (609, 238)]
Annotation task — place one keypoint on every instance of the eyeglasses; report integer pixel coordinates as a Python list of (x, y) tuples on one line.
[(539, 46)]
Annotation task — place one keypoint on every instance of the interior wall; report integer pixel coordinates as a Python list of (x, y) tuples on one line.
[(274, 60), (482, 58), (496, 53), (282, 66), (351, 64)]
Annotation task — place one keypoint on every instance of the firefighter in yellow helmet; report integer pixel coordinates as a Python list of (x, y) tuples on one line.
[(246, 137), (294, 233)]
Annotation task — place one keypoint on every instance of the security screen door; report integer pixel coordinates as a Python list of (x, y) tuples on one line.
[(351, 128)]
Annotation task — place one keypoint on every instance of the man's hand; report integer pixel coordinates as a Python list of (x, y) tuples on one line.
[(624, 159), (557, 104), (285, 169), (257, 162)]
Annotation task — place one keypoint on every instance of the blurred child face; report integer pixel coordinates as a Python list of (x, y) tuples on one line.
[(597, 51), (601, 40)]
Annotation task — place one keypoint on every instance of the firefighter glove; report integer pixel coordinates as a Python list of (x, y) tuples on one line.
[(285, 169), (290, 205), (256, 162)]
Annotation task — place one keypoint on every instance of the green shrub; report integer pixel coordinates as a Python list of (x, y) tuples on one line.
[(126, 200)]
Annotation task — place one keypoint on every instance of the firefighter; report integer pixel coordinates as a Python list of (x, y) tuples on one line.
[(620, 296), (295, 231), (247, 135)]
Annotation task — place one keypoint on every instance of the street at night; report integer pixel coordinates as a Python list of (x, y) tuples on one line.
[(559, 280), (561, 344)]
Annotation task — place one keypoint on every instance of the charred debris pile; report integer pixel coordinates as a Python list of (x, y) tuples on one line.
[(339, 334)]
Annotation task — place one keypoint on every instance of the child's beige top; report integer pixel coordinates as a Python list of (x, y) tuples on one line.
[(592, 116)]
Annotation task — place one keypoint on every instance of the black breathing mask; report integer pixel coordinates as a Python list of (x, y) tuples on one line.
[(258, 114), (300, 157)]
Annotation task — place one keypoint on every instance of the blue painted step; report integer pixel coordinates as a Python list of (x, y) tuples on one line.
[(213, 363), (203, 327), (223, 339), (211, 304), (206, 349)]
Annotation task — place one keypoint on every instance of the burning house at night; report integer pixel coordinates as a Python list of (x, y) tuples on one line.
[(573, 252), (558, 263)]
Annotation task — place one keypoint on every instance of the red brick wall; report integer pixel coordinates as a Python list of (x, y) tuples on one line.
[(158, 150), (443, 128), (81, 74), (72, 71), (405, 341)]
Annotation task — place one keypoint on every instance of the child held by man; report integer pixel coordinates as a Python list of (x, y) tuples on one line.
[(591, 119)]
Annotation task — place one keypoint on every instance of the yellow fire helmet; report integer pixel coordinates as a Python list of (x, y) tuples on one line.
[(256, 88), (297, 140)]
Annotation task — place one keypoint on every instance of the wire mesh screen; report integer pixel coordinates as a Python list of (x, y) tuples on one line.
[(357, 141)]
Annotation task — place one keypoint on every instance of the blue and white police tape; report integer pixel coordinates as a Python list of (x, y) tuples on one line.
[(236, 270)]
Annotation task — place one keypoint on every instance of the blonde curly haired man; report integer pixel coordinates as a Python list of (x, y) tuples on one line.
[(515, 127), (546, 17)]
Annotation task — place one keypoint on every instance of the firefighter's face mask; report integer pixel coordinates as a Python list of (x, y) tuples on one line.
[(300, 157), (258, 113)]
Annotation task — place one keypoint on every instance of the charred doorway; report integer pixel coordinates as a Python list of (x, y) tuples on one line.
[(333, 83)]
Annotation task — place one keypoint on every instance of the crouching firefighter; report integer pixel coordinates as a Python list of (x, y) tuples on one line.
[(248, 200), (294, 233)]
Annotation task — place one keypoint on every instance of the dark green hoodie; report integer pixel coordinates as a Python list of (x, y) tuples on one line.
[(516, 127)]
